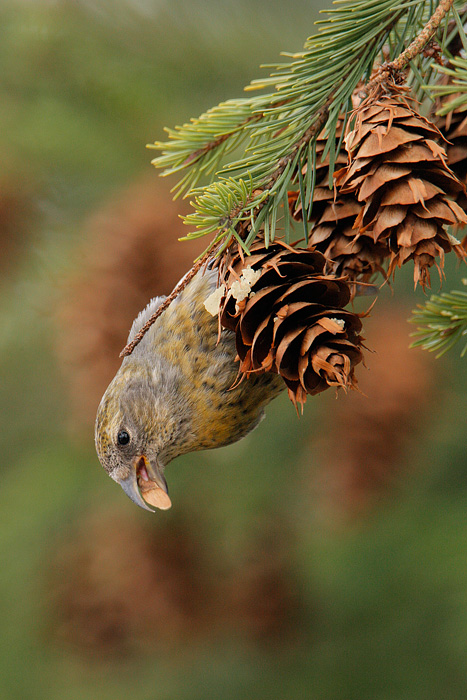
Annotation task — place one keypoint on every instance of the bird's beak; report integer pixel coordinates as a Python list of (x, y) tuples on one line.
[(130, 486), (148, 479)]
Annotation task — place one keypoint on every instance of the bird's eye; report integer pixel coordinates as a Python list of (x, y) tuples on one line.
[(123, 438)]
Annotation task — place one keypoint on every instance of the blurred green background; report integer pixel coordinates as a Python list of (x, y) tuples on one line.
[(323, 557)]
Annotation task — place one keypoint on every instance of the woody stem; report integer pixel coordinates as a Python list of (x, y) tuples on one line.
[(415, 48)]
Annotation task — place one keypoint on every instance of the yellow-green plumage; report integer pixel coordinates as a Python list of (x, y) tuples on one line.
[(174, 393)]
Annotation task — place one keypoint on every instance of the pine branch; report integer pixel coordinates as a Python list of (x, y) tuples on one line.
[(419, 43), (302, 87), (388, 70), (442, 322), (199, 146), (278, 129)]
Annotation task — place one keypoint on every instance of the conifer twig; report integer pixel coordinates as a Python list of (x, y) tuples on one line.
[(415, 48), (215, 143), (441, 321)]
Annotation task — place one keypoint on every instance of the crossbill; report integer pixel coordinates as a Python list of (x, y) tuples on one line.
[(176, 393)]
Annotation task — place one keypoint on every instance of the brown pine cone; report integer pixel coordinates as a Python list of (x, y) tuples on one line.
[(398, 170), (289, 318), (333, 214), (356, 257)]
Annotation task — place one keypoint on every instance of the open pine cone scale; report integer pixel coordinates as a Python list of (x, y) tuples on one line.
[(398, 171), (292, 321)]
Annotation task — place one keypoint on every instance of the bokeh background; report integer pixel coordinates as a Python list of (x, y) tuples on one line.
[(323, 557)]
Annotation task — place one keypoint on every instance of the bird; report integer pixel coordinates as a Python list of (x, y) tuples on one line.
[(177, 392)]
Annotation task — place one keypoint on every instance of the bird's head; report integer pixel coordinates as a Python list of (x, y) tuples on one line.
[(135, 431)]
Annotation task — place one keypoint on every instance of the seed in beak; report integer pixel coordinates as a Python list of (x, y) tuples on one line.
[(151, 491), (155, 496)]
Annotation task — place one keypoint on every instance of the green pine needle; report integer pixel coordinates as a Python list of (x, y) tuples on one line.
[(442, 322)]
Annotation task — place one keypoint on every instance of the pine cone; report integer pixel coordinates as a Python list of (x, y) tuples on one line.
[(262, 598), (117, 586), (333, 214), (18, 215), (356, 257), (289, 319), (399, 171)]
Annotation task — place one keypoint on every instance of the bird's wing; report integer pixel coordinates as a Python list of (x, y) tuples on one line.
[(144, 316)]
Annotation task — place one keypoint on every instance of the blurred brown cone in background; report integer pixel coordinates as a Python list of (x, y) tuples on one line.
[(116, 586), (17, 211), (289, 318), (367, 434), (262, 598), (130, 253), (399, 173)]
